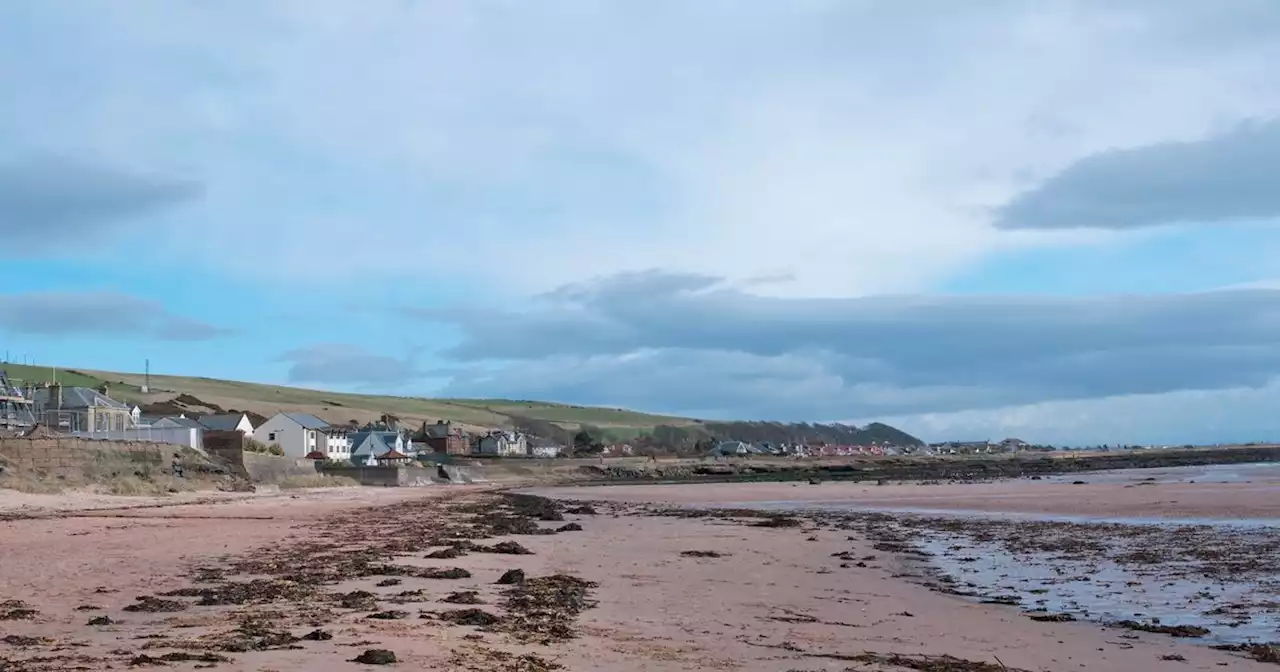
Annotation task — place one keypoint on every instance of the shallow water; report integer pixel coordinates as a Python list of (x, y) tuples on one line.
[(839, 506), (1236, 607), (1253, 472), (1104, 591)]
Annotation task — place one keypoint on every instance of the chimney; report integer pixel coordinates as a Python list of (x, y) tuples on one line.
[(105, 390), (55, 395)]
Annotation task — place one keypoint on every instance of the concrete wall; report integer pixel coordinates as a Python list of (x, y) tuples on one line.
[(384, 476), (178, 436), (272, 469)]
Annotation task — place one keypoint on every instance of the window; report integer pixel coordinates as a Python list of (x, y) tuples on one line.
[(271, 436)]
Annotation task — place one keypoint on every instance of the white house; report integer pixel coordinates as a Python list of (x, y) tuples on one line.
[(539, 447), (226, 422), (503, 444), (336, 443), (298, 434)]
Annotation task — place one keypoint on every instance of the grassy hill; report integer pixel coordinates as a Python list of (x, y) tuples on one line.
[(200, 395), (339, 407)]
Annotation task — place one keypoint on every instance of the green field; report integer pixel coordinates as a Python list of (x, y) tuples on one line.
[(339, 407)]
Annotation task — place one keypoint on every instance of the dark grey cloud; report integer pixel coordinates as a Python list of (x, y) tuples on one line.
[(693, 344), (47, 200), (1227, 177), (61, 314), (342, 364)]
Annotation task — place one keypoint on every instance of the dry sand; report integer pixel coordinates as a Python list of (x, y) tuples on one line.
[(776, 600)]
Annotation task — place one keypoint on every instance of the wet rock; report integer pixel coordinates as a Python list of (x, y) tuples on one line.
[(569, 527), (703, 554), (507, 548), (1263, 653), (1171, 630), (144, 660), (376, 657), (445, 554), (16, 610), (389, 615), (88, 607), (476, 617), (584, 510), (777, 521), (24, 641), (362, 600), (101, 620), (1051, 618), (511, 577), (153, 604), (463, 597), (388, 582), (814, 480), (318, 636)]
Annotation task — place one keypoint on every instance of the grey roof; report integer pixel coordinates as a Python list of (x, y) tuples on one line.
[(186, 423), (364, 443), (76, 397), (223, 422), (307, 420)]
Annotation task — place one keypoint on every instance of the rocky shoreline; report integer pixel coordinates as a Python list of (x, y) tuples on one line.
[(1197, 583), (976, 468)]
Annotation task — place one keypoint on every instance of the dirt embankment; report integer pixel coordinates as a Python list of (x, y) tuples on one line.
[(928, 468)]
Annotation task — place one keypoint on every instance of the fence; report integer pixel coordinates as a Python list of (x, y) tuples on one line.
[(179, 436)]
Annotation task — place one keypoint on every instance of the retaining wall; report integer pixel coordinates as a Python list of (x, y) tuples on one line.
[(389, 477), (65, 455)]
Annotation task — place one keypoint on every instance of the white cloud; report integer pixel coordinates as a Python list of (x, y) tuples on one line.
[(856, 147)]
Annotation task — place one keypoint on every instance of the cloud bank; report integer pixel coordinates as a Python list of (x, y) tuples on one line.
[(102, 313), (630, 340), (47, 201)]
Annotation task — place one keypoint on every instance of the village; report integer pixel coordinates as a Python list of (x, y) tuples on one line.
[(92, 413)]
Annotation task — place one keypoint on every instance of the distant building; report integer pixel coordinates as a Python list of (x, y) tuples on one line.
[(540, 447), (1012, 445), (225, 422), (297, 434), (80, 409), (443, 437), (176, 422), (503, 443), (367, 445)]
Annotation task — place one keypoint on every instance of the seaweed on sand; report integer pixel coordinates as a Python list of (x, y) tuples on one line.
[(544, 608)]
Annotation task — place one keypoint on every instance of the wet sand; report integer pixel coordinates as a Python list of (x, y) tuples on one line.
[(796, 598), (1125, 494)]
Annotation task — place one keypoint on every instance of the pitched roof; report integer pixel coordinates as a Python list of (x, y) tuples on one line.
[(186, 423), (369, 443), (307, 420), (392, 455), (316, 455), (76, 397), (223, 422)]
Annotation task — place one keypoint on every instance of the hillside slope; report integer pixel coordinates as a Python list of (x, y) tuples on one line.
[(560, 420)]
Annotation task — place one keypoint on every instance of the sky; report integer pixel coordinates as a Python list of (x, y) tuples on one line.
[(1049, 219)]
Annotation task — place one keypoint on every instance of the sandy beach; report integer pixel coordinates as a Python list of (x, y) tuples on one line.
[(630, 590), (1127, 493)]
